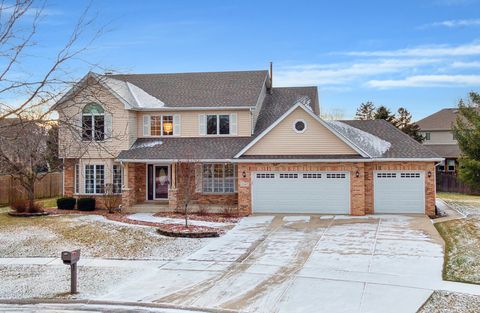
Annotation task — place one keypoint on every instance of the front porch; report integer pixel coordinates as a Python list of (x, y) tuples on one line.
[(162, 187)]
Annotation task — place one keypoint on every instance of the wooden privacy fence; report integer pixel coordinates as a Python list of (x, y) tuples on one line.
[(51, 185), (449, 182)]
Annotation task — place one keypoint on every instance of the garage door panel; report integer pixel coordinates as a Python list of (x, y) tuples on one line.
[(399, 192), (301, 192)]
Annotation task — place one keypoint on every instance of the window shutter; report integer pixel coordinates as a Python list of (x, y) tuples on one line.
[(176, 125), (233, 124), (202, 124), (146, 125), (198, 178), (108, 125)]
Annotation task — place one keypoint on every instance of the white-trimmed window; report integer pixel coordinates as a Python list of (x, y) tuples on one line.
[(161, 125), (77, 178), (219, 178), (218, 124), (450, 165), (94, 179), (117, 178), (299, 126), (93, 122)]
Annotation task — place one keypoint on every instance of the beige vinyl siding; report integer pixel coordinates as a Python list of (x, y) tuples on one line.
[(189, 121), (316, 140), (439, 137), (70, 114)]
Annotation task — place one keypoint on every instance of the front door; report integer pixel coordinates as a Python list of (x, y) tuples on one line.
[(162, 182)]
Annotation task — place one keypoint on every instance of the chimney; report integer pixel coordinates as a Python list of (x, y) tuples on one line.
[(271, 79)]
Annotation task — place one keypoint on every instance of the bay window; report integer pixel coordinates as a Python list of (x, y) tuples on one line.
[(219, 178)]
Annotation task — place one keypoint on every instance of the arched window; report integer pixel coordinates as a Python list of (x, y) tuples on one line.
[(93, 122)]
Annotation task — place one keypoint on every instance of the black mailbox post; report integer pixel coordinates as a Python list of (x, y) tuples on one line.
[(71, 258)]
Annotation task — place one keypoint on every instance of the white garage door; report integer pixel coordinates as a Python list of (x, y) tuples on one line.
[(301, 192), (399, 192)]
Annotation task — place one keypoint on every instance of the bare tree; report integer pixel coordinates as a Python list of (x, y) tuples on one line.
[(25, 122), (186, 185)]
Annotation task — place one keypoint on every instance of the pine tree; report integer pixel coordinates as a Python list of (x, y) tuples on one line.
[(467, 132), (383, 113), (404, 122), (366, 111)]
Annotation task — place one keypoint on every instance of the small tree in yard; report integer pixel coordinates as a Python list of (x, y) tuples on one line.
[(186, 186), (111, 201), (467, 132)]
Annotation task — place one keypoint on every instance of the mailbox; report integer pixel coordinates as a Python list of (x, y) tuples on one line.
[(70, 257)]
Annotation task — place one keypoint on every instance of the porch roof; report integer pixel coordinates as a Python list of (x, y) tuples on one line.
[(194, 148)]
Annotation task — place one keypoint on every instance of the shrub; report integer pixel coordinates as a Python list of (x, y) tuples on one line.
[(230, 211), (86, 204), (23, 206), (66, 203)]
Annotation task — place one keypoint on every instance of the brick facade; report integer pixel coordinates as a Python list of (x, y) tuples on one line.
[(361, 187), (69, 177)]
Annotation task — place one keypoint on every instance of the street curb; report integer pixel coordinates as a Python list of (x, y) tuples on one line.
[(115, 303)]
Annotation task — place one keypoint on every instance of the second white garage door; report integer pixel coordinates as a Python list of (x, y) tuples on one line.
[(301, 192), (399, 191)]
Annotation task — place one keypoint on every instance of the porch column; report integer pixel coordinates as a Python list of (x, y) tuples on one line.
[(128, 188)]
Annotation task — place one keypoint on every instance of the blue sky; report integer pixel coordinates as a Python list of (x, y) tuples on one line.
[(420, 54)]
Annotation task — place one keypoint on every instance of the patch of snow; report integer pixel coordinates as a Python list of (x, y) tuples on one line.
[(296, 218), (149, 217), (144, 99), (306, 101), (148, 144), (369, 143)]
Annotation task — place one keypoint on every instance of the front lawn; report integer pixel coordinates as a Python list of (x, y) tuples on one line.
[(95, 235), (448, 302), (462, 249)]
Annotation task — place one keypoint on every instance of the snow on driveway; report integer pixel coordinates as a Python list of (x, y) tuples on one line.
[(303, 264)]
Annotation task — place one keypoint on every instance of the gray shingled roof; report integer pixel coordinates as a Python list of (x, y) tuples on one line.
[(445, 151), (202, 89), (402, 145), (441, 120)]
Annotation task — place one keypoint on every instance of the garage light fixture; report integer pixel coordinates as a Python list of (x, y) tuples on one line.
[(429, 174), (357, 174), (244, 174)]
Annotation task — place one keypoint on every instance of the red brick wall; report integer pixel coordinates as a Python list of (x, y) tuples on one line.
[(361, 197), (69, 177)]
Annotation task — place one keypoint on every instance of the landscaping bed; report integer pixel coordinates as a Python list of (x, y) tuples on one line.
[(218, 218), (189, 232)]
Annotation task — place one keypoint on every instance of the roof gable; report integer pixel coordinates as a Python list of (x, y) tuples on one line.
[(441, 120), (318, 139)]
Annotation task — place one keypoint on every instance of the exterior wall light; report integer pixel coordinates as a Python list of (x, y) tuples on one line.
[(357, 174), (244, 174), (429, 174)]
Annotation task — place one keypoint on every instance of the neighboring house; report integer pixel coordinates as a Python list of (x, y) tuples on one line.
[(439, 137), (259, 148)]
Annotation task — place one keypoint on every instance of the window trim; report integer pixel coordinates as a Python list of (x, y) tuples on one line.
[(447, 166), (93, 115), (295, 123), (234, 178), (113, 178), (217, 115), (161, 125), (76, 187), (94, 179)]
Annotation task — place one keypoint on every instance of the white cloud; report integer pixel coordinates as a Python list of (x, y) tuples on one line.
[(460, 64), (456, 23), (423, 51), (338, 74), (427, 81)]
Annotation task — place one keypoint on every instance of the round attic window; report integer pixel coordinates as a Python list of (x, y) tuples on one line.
[(299, 126)]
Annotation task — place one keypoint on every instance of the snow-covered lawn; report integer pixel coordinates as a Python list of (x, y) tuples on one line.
[(95, 235), (449, 302), (149, 217), (462, 239)]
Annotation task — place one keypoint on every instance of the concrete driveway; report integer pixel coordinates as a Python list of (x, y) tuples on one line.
[(305, 264)]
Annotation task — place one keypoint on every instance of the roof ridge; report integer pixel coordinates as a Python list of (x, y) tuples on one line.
[(180, 73)]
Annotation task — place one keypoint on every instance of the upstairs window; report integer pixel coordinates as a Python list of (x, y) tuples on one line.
[(427, 136), (161, 125), (451, 165), (218, 124), (93, 122)]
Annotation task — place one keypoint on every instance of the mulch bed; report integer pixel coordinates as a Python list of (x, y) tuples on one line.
[(210, 217), (26, 214), (171, 230)]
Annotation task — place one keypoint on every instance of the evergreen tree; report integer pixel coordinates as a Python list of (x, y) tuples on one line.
[(467, 132), (404, 122), (383, 113), (366, 111)]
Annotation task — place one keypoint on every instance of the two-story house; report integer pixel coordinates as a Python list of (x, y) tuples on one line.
[(439, 137), (260, 148)]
